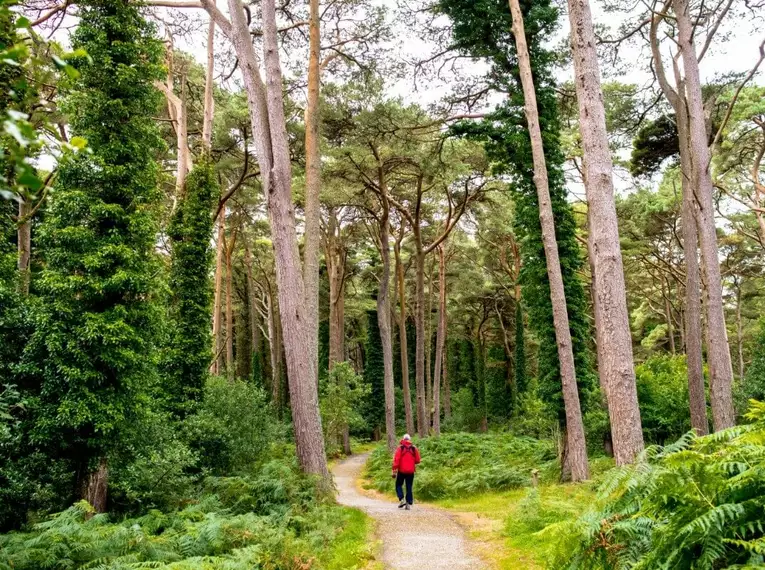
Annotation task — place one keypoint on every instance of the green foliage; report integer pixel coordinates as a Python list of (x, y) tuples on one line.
[(234, 429), (191, 237), (753, 384), (695, 504), (466, 416), (483, 29), (267, 520), (458, 464), (95, 332), (342, 400), (534, 417), (521, 379), (656, 141), (662, 385), (499, 404)]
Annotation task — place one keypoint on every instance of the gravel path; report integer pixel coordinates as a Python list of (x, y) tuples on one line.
[(424, 538)]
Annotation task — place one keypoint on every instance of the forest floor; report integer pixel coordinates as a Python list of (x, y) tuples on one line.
[(427, 537)]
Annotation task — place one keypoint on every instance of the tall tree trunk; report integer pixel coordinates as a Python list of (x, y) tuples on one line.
[(666, 291), (218, 303), (384, 310), (209, 102), (24, 237), (97, 488), (408, 414), (255, 341), (440, 333), (577, 449), (615, 360), (429, 347), (335, 256), (692, 316), (275, 335), (447, 387), (419, 322), (739, 334), (312, 186), (269, 131), (229, 311), (718, 350)]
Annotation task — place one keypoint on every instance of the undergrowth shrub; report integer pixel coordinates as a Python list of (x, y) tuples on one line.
[(455, 465), (267, 520), (696, 504), (662, 386)]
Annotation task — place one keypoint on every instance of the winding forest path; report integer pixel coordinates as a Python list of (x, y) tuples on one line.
[(424, 538)]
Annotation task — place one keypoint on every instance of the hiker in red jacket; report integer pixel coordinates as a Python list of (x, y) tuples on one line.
[(404, 465)]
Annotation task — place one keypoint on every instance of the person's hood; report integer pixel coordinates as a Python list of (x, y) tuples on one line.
[(406, 442)]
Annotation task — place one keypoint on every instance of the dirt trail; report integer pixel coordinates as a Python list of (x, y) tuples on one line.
[(424, 538)]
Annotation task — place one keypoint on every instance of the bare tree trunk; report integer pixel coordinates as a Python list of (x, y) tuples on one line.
[(692, 316), (615, 360), (98, 485), (409, 419), (335, 257), (229, 312), (666, 291), (275, 334), (312, 187), (253, 314), (440, 333), (718, 350), (209, 102), (739, 334), (422, 416), (577, 449), (447, 387), (429, 347), (218, 303), (384, 312), (24, 237)]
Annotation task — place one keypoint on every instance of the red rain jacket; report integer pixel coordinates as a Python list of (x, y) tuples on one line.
[(406, 458)]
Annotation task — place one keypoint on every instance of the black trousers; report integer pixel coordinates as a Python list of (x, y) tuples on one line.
[(407, 478)]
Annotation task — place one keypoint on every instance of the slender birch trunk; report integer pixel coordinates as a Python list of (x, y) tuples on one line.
[(615, 359), (577, 449)]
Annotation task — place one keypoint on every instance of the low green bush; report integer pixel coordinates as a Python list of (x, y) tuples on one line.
[(662, 386), (267, 520), (696, 504), (455, 465)]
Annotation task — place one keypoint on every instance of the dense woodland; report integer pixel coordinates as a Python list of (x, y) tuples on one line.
[(238, 241)]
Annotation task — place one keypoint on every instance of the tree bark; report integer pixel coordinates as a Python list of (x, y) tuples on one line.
[(218, 303), (98, 486), (718, 350), (209, 102), (615, 359), (312, 186), (24, 237), (230, 309), (692, 317), (419, 371), (447, 387), (253, 314), (409, 419), (269, 130), (739, 334), (429, 347), (275, 336), (440, 333), (577, 449)]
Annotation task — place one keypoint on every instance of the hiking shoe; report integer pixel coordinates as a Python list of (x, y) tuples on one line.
[(408, 507), (402, 504)]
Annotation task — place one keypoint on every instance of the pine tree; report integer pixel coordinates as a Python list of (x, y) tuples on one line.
[(96, 327), (521, 381), (484, 30), (191, 310)]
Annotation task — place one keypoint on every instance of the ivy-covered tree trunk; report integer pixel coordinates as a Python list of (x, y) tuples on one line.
[(190, 234), (576, 446), (98, 321)]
